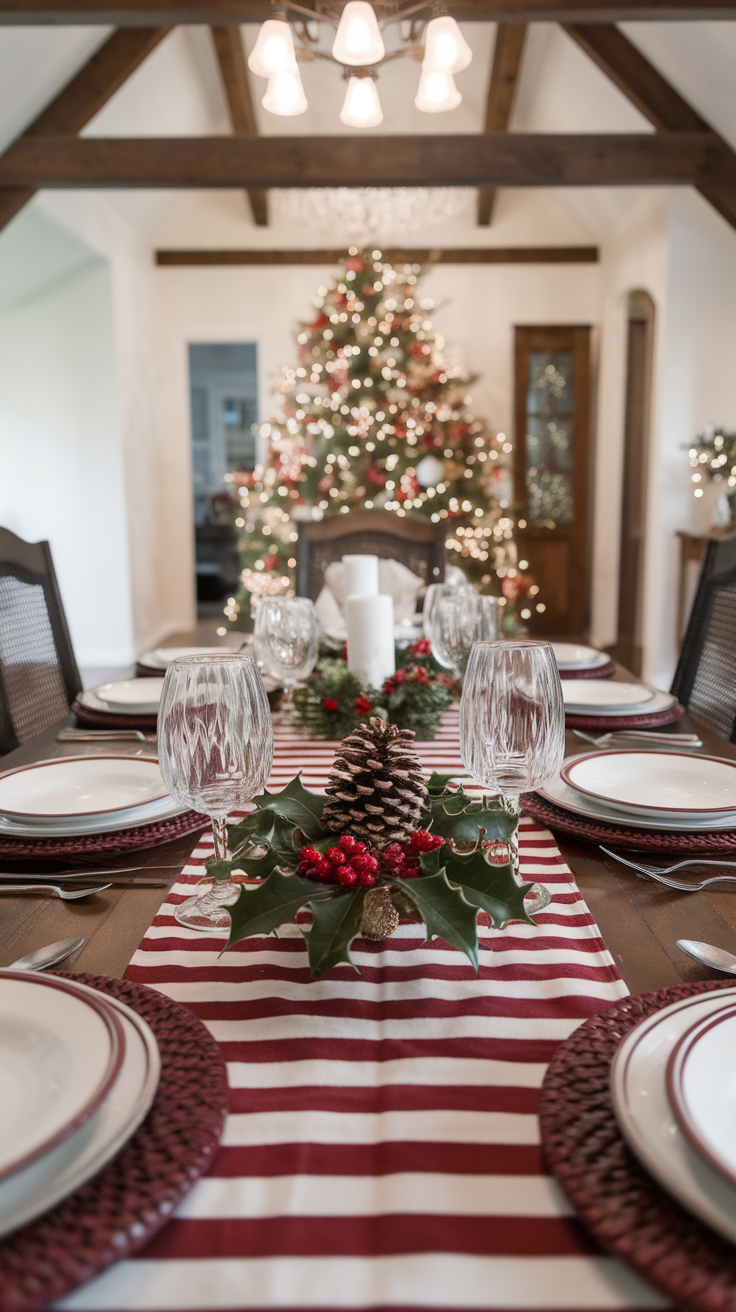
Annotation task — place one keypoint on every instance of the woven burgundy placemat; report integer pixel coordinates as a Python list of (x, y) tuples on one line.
[(115, 1213), (598, 672), (109, 844), (623, 835), (623, 1206), (606, 722), (108, 720)]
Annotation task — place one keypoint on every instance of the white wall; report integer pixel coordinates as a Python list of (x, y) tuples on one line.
[(61, 451)]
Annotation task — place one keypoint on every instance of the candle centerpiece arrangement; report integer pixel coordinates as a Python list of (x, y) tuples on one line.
[(371, 675), (380, 844)]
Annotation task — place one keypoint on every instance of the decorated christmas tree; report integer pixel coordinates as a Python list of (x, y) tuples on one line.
[(374, 416)]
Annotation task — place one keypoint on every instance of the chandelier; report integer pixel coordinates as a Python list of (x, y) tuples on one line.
[(358, 47), (372, 213)]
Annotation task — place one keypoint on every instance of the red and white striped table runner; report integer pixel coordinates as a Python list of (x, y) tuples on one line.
[(382, 1148)]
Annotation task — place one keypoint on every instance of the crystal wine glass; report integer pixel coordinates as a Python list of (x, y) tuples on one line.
[(215, 744), (460, 617), (287, 639), (512, 721)]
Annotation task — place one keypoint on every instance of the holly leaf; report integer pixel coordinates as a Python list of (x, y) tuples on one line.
[(437, 784), (219, 869), (444, 911), (488, 887), (459, 817), (334, 926), (297, 804), (271, 831), (274, 902)]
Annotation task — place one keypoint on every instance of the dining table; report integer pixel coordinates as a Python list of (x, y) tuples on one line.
[(382, 1148)]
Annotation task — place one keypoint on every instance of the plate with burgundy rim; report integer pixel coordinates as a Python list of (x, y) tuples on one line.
[(701, 1083), (45, 1182), (60, 1054), (574, 656), (657, 783), (561, 794), (607, 694), (80, 786), (647, 1120)]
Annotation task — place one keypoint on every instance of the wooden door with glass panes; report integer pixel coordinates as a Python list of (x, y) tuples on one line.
[(552, 369)]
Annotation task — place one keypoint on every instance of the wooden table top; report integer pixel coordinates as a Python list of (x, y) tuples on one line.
[(640, 921)]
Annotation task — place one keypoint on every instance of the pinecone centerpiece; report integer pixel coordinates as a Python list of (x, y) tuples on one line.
[(376, 789)]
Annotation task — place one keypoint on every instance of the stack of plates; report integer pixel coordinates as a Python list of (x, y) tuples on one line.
[(604, 697), (78, 795), (571, 656), (132, 697), (78, 1072), (673, 1083), (161, 657), (657, 790)]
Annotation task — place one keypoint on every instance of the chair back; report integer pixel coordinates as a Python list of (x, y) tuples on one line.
[(705, 678), (416, 543), (39, 678)]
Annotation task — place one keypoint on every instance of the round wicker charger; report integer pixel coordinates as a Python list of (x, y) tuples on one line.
[(623, 1206), (623, 835), (610, 722), (108, 844), (89, 719), (115, 1213)]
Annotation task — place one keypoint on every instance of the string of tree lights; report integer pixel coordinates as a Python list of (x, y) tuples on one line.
[(374, 416)]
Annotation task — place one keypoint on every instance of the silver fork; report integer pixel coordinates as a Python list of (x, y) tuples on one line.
[(646, 872), (643, 735), (66, 894)]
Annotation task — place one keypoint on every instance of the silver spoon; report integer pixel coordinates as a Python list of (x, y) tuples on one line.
[(708, 955), (66, 894), (51, 955)]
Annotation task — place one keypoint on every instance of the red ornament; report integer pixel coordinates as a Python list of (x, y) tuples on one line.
[(375, 476), (329, 704)]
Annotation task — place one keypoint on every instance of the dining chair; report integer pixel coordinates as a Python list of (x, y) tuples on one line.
[(705, 678), (416, 543), (39, 678)]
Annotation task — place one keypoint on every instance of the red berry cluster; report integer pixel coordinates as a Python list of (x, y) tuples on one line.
[(349, 864), (403, 858)]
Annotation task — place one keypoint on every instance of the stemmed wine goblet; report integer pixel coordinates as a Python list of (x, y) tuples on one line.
[(512, 722), (215, 744), (287, 640), (460, 617)]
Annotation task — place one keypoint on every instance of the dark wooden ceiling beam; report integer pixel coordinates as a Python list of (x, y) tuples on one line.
[(81, 98), (505, 70), (456, 255), (653, 96), (234, 71), (496, 160), (145, 13)]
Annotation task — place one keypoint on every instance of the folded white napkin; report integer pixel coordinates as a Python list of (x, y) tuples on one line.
[(394, 580)]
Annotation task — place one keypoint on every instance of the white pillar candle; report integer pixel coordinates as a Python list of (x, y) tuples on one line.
[(361, 575), (371, 650)]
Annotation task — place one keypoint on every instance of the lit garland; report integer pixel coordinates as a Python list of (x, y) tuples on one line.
[(713, 453)]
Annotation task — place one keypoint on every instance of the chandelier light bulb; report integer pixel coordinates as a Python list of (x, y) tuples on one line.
[(273, 51), (437, 92), (445, 47), (358, 41), (285, 94), (361, 107)]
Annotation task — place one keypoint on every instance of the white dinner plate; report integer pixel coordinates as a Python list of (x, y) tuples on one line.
[(165, 808), (701, 1083), (661, 701), (161, 658), (574, 656), (588, 694), (80, 786), (648, 1123), (131, 696), (557, 791), (60, 1054), (660, 783), (38, 1187)]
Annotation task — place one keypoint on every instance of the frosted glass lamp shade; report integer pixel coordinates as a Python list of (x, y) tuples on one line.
[(445, 47), (437, 92), (361, 107), (358, 41), (285, 94), (273, 51)]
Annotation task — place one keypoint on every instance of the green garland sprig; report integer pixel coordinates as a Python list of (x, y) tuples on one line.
[(333, 702), (453, 882)]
